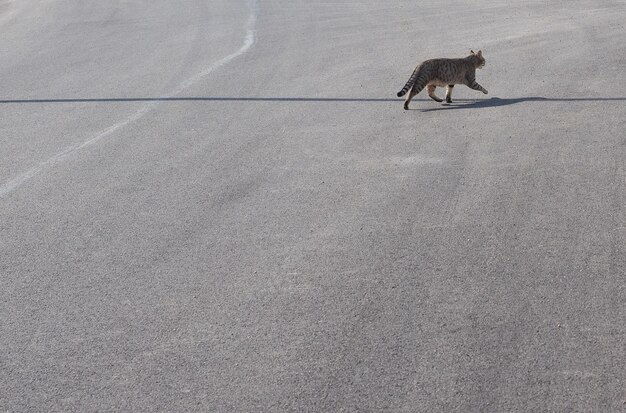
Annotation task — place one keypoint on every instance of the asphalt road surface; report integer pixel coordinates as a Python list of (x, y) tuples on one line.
[(220, 205)]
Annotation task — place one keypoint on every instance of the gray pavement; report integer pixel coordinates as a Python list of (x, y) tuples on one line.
[(221, 206)]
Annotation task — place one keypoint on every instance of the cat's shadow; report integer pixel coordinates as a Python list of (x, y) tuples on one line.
[(495, 102)]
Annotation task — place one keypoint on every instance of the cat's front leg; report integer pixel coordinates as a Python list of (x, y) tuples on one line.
[(474, 85), (449, 93)]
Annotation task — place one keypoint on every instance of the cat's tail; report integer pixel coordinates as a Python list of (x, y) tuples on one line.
[(409, 83)]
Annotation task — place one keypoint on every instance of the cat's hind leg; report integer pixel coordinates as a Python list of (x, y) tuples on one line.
[(431, 93), (409, 96), (449, 93), (421, 80)]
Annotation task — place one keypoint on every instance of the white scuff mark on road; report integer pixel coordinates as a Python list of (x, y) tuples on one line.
[(249, 40), (247, 44)]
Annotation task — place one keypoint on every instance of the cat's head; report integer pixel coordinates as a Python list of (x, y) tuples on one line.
[(477, 58)]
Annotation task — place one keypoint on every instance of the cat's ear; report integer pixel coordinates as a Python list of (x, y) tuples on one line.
[(472, 52), (480, 53)]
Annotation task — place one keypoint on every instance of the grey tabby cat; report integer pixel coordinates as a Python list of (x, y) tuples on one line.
[(444, 72)]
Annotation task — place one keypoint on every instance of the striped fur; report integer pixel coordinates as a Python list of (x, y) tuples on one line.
[(443, 72), (409, 82)]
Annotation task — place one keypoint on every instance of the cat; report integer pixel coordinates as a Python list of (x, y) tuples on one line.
[(444, 72)]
